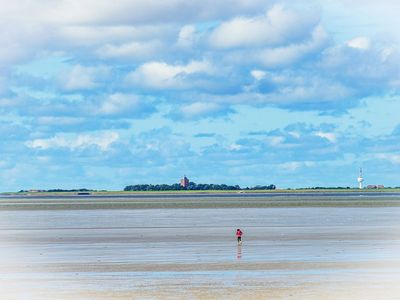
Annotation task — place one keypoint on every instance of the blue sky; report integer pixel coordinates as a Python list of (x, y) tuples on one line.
[(102, 94)]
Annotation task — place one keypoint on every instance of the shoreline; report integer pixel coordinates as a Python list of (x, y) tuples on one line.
[(191, 192)]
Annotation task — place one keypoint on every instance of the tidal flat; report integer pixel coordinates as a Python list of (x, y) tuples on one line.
[(177, 248), (208, 200)]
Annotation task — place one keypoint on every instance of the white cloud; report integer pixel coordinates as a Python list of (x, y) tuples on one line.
[(8, 103), (187, 36), (20, 41), (330, 136), (279, 26), (82, 78), (99, 36), (119, 104), (130, 50), (391, 157), (33, 28), (290, 89), (73, 142), (361, 43), (294, 134), (235, 147), (276, 140), (199, 109), (66, 12), (258, 74), (291, 166), (283, 56), (386, 53), (161, 75), (295, 165), (308, 93)]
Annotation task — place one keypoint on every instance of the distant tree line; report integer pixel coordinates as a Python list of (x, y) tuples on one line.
[(57, 191), (341, 188), (325, 188), (194, 187)]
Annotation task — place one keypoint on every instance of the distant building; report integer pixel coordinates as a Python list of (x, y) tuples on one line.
[(184, 182), (360, 180), (374, 186)]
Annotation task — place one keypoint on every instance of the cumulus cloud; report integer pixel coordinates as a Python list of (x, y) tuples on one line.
[(192, 61), (284, 56), (102, 12), (278, 149), (132, 50), (361, 43), (276, 141), (160, 147), (366, 72), (234, 147), (330, 136), (278, 42), (279, 26), (160, 75), (80, 27), (294, 91), (95, 111), (187, 36), (124, 105), (299, 137), (20, 41), (82, 78), (73, 142), (110, 41), (258, 74)]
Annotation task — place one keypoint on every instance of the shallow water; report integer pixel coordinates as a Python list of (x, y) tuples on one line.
[(139, 250)]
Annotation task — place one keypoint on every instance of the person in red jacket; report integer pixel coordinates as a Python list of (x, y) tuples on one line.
[(239, 234)]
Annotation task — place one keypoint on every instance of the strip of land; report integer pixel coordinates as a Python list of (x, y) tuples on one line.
[(37, 203)]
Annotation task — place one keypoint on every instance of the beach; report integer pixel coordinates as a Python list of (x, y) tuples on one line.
[(171, 249)]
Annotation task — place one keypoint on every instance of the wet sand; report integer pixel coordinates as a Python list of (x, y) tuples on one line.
[(170, 253), (151, 201)]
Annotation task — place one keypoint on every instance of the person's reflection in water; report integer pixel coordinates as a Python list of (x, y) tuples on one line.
[(239, 252)]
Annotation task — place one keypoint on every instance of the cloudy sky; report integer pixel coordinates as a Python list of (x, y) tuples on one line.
[(101, 94)]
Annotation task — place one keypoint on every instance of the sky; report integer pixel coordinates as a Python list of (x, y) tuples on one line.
[(102, 94)]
